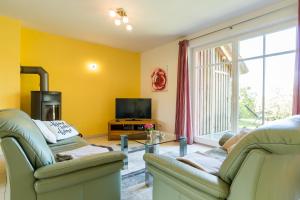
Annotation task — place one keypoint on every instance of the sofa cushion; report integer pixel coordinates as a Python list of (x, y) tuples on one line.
[(280, 137), (68, 144), (48, 135), (230, 143), (61, 129), (15, 123), (218, 153), (226, 136)]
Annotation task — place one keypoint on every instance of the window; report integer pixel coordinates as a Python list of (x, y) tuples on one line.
[(212, 90), (242, 83), (266, 76)]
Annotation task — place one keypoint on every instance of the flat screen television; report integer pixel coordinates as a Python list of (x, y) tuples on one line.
[(133, 108)]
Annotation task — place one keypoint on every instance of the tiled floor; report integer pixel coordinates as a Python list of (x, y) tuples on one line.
[(138, 192), (134, 192)]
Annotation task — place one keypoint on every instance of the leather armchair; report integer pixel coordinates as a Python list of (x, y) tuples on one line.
[(264, 165), (33, 172)]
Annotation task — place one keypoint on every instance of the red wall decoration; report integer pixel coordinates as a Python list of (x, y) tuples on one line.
[(159, 79)]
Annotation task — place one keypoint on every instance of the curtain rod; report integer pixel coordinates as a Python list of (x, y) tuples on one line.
[(236, 24)]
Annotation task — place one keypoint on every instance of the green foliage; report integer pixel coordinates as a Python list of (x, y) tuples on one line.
[(278, 107), (250, 114), (247, 103)]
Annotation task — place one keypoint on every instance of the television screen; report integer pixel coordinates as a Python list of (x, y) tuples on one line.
[(130, 108)]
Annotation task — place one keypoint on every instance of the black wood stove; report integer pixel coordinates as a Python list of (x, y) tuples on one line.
[(45, 104)]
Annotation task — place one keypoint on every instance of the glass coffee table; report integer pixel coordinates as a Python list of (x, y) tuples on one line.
[(151, 144)]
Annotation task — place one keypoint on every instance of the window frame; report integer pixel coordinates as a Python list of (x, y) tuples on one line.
[(264, 56), (234, 40)]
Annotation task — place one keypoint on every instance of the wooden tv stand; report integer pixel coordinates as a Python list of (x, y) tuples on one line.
[(128, 127)]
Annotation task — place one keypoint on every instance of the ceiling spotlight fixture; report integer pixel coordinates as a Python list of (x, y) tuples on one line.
[(128, 27), (125, 19), (117, 22), (120, 16), (112, 13)]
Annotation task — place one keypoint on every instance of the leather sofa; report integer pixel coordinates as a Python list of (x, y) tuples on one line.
[(264, 165), (33, 172)]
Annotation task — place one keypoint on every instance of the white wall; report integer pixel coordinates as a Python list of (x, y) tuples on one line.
[(164, 103)]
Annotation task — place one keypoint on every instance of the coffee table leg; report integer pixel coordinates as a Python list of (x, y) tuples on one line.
[(182, 146), (124, 148), (148, 177), (149, 148)]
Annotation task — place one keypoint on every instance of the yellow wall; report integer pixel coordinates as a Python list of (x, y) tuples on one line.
[(87, 97), (9, 63)]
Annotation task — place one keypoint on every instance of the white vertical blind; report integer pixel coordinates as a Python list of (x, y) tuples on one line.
[(212, 91)]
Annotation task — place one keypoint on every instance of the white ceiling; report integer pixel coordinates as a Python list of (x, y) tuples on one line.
[(155, 22)]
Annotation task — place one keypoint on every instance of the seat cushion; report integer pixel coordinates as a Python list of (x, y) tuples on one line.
[(17, 124), (218, 153), (67, 144)]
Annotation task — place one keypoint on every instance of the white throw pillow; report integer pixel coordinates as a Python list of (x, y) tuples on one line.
[(61, 129), (48, 135)]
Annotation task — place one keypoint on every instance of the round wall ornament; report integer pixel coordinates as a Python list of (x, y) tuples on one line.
[(159, 79)]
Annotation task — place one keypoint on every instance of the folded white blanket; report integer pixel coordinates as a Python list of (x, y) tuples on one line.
[(83, 151), (202, 161)]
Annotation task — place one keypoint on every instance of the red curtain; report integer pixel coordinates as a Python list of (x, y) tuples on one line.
[(183, 118), (296, 99)]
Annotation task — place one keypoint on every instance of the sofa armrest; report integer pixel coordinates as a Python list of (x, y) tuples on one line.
[(109, 171), (193, 177), (70, 166)]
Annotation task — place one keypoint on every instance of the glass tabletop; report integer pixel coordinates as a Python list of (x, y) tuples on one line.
[(157, 137)]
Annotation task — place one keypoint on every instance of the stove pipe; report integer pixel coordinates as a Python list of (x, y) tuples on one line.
[(44, 79)]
